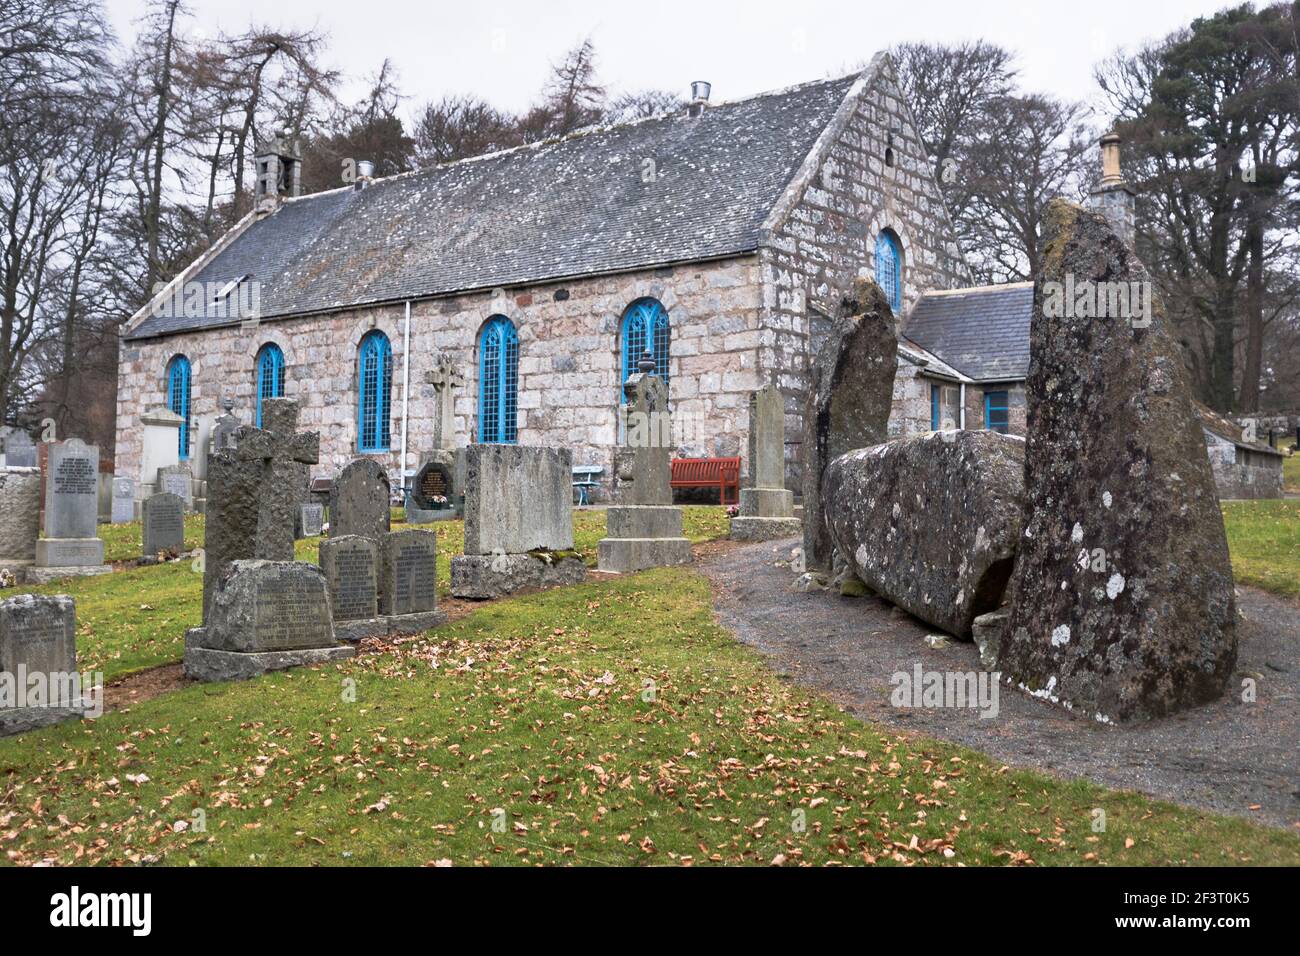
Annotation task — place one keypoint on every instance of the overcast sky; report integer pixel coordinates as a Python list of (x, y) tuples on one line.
[(501, 49)]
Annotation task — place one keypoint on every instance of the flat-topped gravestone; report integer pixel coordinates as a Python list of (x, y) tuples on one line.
[(38, 653), (351, 567), (178, 480), (849, 398), (264, 616), (766, 506), (410, 572), (518, 521), (20, 450), (123, 509), (360, 501), (163, 519), (70, 546), (20, 509), (311, 520)]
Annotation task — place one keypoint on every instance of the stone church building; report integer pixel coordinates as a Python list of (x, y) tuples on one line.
[(716, 238)]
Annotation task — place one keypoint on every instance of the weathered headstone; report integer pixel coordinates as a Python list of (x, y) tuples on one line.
[(850, 394), (20, 450), (351, 567), (766, 506), (931, 522), (518, 521), (225, 430), (360, 501), (39, 683), (251, 496), (20, 509), (178, 480), (163, 520), (408, 583), (1122, 595), (311, 520), (445, 377), (123, 500), (264, 616), (70, 546), (646, 530)]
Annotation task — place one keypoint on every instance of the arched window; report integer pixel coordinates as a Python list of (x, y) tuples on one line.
[(889, 269), (498, 382), (270, 376), (178, 399), (375, 399), (645, 326)]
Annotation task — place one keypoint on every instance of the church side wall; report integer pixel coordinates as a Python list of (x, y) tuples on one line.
[(569, 365)]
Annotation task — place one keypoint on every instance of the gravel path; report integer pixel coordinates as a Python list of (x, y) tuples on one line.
[(1229, 756)]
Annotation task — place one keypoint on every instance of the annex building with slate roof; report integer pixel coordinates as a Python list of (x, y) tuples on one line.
[(539, 275)]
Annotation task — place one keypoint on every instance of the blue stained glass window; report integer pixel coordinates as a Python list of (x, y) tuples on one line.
[(646, 327), (934, 407), (374, 408), (178, 399), (270, 376), (498, 407), (889, 269)]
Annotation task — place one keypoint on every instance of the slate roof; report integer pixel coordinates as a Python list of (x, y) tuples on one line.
[(909, 351), (982, 332), (575, 206), (1230, 431)]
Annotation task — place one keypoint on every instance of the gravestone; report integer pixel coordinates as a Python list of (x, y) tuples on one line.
[(163, 519), (38, 663), (264, 616), (434, 492), (159, 446), (225, 430), (646, 532), (311, 520), (70, 546), (518, 521), (409, 573), (1122, 596), (20, 509), (849, 398), (123, 509), (178, 480), (20, 451), (251, 498), (351, 567), (445, 377), (360, 501), (766, 506)]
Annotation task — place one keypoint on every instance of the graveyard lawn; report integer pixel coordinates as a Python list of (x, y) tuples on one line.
[(1264, 539), (609, 722)]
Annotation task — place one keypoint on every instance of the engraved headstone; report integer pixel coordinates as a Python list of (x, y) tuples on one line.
[(311, 520), (123, 500), (38, 639), (360, 499), (351, 567), (71, 507), (20, 451), (409, 576), (178, 480), (163, 517)]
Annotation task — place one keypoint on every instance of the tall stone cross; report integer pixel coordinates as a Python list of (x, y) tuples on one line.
[(253, 490), (445, 377)]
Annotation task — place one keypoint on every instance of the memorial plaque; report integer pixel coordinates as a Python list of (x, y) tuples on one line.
[(164, 524), (123, 500), (71, 490), (38, 633), (289, 615), (410, 564), (351, 566)]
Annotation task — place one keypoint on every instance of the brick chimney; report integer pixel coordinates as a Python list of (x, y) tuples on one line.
[(1113, 198), (279, 172)]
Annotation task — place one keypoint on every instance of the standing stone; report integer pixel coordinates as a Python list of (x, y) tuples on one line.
[(360, 501), (850, 393), (70, 546), (19, 450), (264, 616), (408, 585), (20, 509), (251, 496), (123, 509), (647, 532), (311, 520), (931, 522), (38, 639), (766, 506), (1122, 601), (351, 567), (163, 518), (518, 521)]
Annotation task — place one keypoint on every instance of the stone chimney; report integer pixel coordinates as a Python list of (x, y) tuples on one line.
[(279, 172), (1113, 198)]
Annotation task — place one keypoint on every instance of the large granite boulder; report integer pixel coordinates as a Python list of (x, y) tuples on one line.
[(931, 522), (1122, 596), (850, 393)]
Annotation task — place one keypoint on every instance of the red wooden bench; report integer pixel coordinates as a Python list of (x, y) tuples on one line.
[(720, 473)]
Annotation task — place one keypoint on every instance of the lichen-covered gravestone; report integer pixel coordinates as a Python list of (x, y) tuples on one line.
[(39, 684), (766, 506), (20, 511), (850, 393), (163, 518), (70, 546), (518, 521), (360, 501), (1122, 601), (931, 522)]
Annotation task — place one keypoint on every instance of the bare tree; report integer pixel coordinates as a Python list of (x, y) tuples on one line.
[(457, 127)]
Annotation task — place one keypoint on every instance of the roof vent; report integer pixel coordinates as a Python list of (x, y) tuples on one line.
[(700, 90), (365, 173)]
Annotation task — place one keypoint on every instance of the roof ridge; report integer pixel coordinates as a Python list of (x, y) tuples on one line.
[(966, 290)]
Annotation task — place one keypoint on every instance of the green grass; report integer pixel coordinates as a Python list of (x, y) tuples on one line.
[(610, 722), (1290, 468), (1264, 541)]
